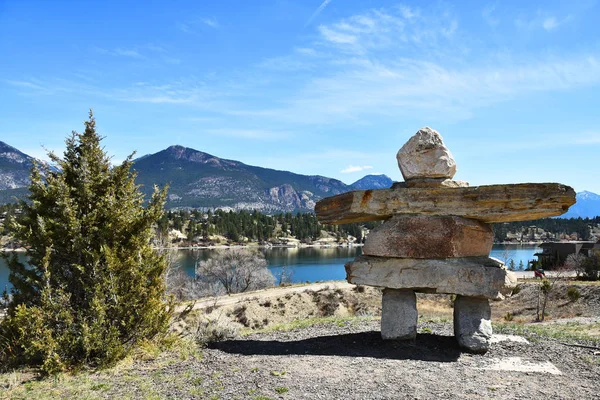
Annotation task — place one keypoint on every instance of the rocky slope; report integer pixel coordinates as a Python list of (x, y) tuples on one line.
[(200, 180), (14, 167)]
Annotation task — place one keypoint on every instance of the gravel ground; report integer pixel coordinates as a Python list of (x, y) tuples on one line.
[(351, 362)]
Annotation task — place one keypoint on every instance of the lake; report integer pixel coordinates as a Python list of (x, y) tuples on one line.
[(309, 264)]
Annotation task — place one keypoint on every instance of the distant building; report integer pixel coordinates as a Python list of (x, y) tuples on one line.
[(555, 253)]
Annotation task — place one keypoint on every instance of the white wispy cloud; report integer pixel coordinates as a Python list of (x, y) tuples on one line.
[(190, 26), (542, 21), (36, 86), (149, 51), (127, 53), (26, 84), (408, 13), (550, 23), (156, 48), (355, 168), (367, 87), (317, 12), (307, 51), (212, 22), (337, 35), (380, 29), (285, 63), (122, 52), (381, 63), (352, 88), (183, 27)]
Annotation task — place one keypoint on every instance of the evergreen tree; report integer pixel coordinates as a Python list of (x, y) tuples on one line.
[(94, 287)]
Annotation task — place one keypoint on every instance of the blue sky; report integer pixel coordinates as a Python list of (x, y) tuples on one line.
[(332, 88)]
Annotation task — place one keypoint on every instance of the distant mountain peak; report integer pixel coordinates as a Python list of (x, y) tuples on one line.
[(587, 195), (587, 206), (175, 148), (201, 180), (178, 152), (373, 181)]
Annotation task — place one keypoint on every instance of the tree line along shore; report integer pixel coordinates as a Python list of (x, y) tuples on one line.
[(194, 228)]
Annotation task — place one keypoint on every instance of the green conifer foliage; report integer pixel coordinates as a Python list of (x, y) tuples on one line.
[(94, 287)]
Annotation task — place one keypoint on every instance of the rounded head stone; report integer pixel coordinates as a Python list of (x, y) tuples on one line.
[(426, 156)]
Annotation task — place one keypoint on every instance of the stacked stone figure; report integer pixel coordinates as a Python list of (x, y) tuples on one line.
[(437, 238)]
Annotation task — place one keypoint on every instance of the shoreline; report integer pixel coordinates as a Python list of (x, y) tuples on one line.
[(258, 246), (227, 246), (289, 246)]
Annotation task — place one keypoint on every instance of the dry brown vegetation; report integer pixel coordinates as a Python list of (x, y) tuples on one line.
[(255, 312)]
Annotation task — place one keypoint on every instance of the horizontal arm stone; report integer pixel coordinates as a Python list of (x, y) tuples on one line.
[(491, 203)]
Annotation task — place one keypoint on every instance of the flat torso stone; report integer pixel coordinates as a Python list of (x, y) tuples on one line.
[(423, 236)]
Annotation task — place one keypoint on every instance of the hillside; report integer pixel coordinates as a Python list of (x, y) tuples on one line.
[(200, 180), (14, 167)]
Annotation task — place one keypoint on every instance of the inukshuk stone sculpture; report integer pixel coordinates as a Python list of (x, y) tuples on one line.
[(437, 238)]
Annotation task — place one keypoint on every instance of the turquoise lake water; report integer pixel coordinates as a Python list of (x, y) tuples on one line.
[(309, 264)]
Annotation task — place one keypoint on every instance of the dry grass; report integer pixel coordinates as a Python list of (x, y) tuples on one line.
[(435, 307), (138, 376), (253, 314), (522, 306), (568, 332)]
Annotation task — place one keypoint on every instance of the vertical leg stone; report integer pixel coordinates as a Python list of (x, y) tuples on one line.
[(398, 314), (472, 323)]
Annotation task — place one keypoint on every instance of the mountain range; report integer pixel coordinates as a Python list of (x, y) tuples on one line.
[(201, 180)]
